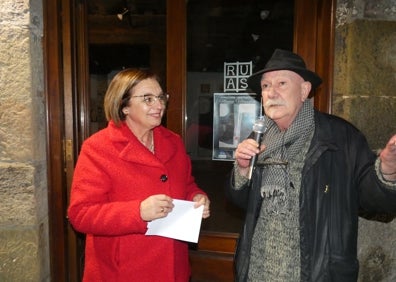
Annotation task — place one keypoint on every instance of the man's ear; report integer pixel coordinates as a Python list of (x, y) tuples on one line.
[(306, 87)]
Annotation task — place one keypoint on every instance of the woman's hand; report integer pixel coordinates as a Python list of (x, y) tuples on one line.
[(155, 206), (200, 200)]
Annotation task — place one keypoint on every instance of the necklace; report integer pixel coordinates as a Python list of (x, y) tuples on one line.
[(151, 146)]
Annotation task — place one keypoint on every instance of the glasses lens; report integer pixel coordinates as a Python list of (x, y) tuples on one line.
[(149, 99), (163, 98)]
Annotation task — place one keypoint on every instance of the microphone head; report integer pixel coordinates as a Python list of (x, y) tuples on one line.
[(259, 125)]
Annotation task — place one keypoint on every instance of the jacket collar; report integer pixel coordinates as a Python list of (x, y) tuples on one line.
[(133, 150), (322, 140), (324, 131)]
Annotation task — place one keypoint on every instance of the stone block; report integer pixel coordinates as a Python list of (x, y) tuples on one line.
[(17, 195), (19, 255), (380, 9), (365, 58), (374, 116), (15, 12), (370, 49), (377, 251), (18, 127)]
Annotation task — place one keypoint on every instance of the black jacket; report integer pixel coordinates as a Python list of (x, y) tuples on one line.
[(338, 182)]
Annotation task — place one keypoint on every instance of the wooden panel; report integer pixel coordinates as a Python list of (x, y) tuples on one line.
[(213, 259), (211, 267), (217, 241)]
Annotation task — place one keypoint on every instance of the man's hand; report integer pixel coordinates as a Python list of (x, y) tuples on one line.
[(388, 160), (244, 152)]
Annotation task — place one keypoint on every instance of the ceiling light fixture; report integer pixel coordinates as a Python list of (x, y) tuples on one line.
[(121, 15), (264, 14)]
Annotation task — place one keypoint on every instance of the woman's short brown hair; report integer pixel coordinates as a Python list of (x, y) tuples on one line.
[(119, 92)]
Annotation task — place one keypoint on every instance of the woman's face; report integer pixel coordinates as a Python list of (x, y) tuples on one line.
[(140, 116)]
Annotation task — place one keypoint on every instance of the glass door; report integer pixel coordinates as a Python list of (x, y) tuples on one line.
[(219, 32)]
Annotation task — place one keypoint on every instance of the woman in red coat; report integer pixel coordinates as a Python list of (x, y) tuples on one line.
[(127, 175)]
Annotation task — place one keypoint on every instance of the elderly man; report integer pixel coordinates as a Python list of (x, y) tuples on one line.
[(314, 174)]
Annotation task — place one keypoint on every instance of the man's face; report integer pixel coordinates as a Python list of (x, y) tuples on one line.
[(283, 93)]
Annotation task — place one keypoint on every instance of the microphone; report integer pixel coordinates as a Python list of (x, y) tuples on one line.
[(259, 129)]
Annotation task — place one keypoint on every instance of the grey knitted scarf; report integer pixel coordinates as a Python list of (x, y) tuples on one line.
[(282, 147)]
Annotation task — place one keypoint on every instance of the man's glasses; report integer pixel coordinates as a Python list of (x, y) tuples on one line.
[(274, 162), (279, 164), (150, 99)]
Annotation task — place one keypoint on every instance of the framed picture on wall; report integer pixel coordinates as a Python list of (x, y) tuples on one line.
[(233, 118)]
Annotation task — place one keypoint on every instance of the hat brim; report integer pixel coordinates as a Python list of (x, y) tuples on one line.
[(254, 80)]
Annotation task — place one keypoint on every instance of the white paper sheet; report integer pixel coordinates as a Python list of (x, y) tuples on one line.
[(183, 223)]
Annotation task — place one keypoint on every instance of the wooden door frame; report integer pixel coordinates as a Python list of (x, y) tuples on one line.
[(67, 110), (55, 133), (314, 40), (66, 88)]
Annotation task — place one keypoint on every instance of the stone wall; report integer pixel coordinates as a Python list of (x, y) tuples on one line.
[(364, 93), (23, 190)]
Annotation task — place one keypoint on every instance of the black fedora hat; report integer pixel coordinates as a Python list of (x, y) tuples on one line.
[(284, 60)]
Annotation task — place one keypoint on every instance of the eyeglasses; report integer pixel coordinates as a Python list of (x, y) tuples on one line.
[(283, 165), (274, 162), (150, 99)]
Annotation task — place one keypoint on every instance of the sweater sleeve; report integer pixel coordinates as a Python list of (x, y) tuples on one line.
[(239, 180), (390, 184)]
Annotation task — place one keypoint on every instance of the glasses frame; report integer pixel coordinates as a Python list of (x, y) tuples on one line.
[(154, 98), (281, 164), (274, 162)]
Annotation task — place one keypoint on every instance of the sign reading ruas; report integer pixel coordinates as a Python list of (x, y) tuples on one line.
[(236, 75)]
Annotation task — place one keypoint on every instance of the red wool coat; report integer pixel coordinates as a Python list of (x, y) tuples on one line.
[(113, 175)]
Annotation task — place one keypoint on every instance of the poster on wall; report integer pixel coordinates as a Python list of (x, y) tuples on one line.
[(233, 119)]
